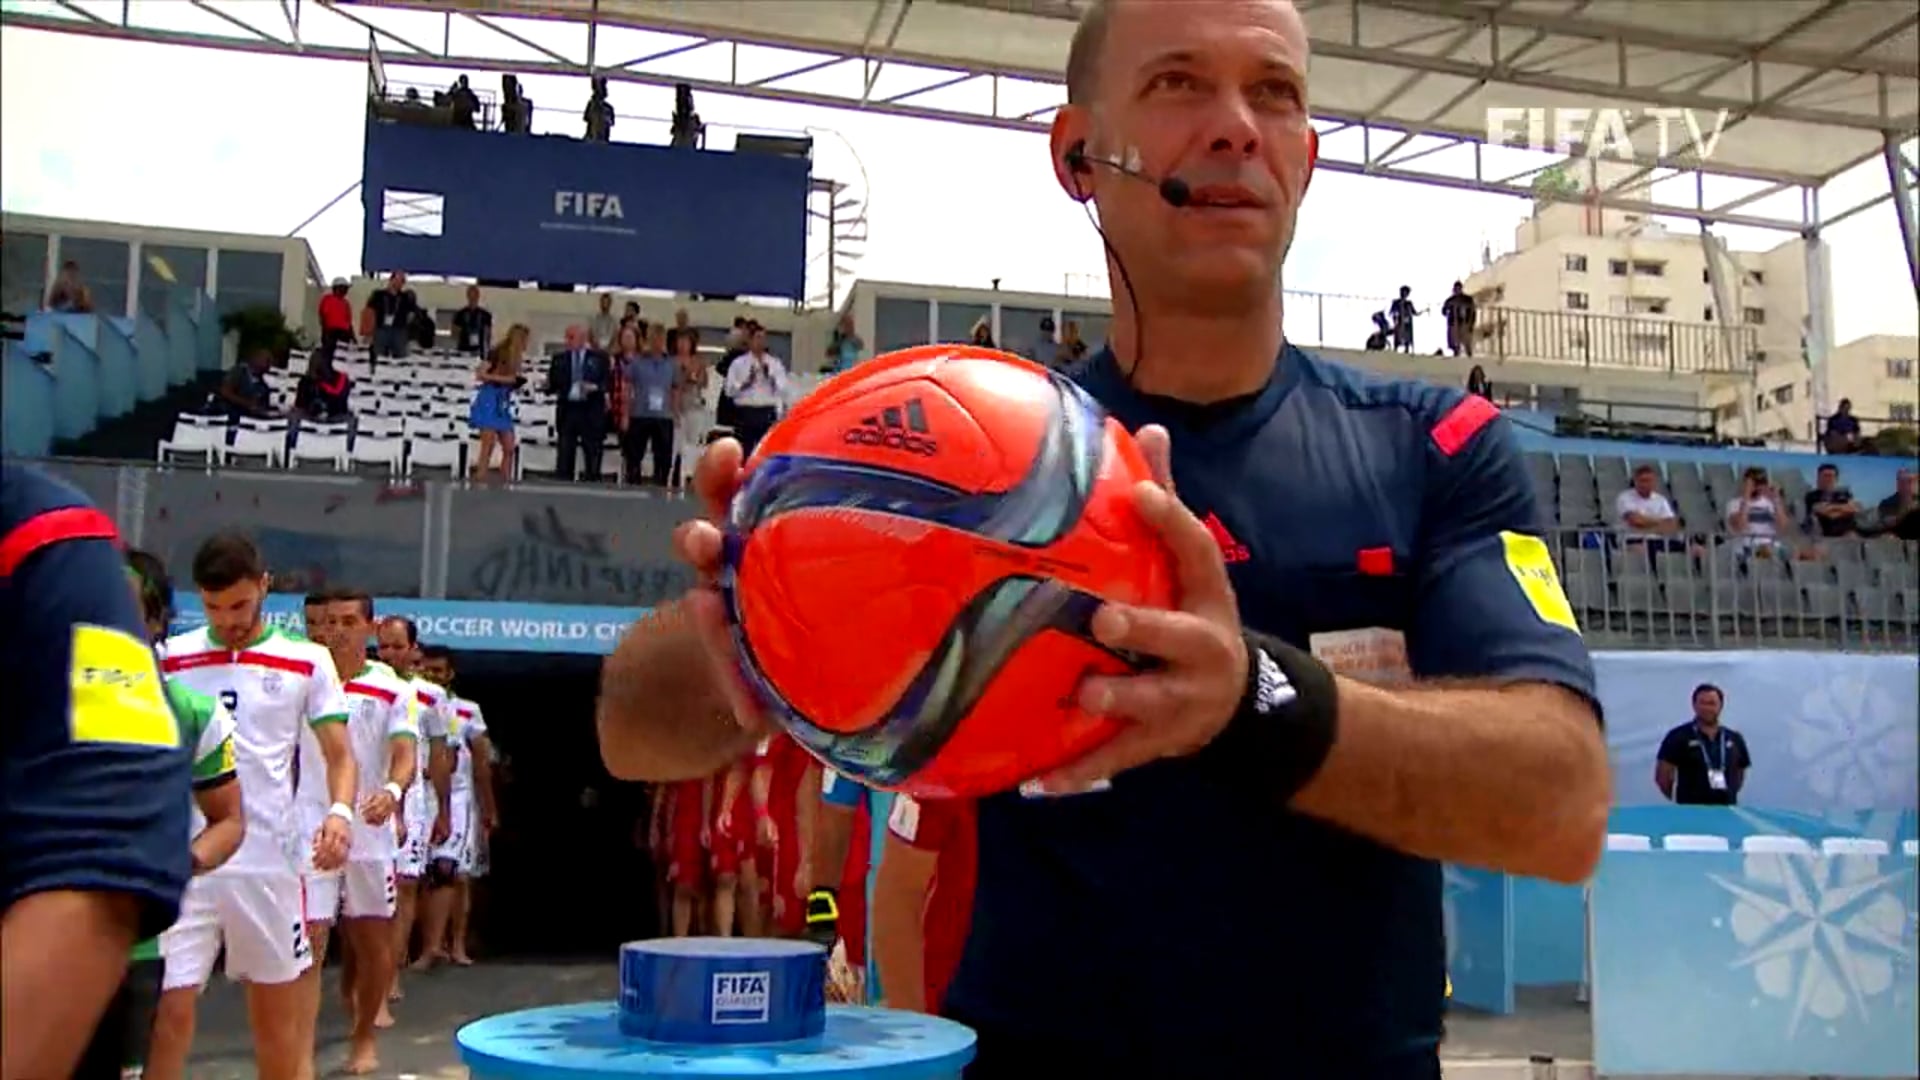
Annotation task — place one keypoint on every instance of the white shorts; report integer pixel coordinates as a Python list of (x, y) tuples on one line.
[(259, 918), (323, 897), (479, 858), (458, 847), (410, 858), (368, 890)]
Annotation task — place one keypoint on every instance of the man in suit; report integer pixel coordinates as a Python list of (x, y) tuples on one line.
[(577, 377)]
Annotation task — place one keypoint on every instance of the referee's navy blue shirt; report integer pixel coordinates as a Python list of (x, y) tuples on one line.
[(1175, 927), (92, 796)]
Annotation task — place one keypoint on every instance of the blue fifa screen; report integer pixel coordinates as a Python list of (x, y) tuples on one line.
[(556, 209)]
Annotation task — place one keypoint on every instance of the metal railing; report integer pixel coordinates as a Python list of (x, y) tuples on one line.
[(1616, 341)]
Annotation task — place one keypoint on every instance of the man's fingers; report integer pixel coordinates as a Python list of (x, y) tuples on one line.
[(699, 542), (1198, 565), (704, 608), (1150, 700), (1136, 745), (1174, 636), (1157, 446), (717, 476)]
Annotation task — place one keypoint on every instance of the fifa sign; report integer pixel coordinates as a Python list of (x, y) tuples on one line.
[(587, 204)]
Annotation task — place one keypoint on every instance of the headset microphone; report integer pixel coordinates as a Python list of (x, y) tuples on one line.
[(1174, 191)]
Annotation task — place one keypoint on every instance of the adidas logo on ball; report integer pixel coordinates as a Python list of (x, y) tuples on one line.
[(898, 427)]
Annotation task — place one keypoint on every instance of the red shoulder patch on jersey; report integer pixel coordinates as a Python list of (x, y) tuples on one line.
[(52, 527), (1462, 423), (378, 693)]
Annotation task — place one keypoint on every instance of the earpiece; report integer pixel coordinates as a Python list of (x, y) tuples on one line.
[(1075, 158)]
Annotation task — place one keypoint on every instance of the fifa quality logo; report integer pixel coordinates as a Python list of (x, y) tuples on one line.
[(742, 997)]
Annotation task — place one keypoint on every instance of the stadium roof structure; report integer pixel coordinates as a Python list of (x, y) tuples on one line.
[(1809, 88)]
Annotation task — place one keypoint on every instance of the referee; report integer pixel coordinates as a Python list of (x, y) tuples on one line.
[(93, 828), (1258, 892)]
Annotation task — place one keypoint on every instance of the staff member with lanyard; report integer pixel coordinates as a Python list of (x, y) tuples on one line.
[(1703, 762), (1257, 892)]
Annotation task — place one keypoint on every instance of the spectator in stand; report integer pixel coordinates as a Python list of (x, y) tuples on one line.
[(473, 324), (1071, 349), (1832, 512), (1461, 314), (321, 395), (737, 340), (1402, 311), (681, 321), (1382, 333), (650, 407), (69, 294), (1843, 430), (631, 317), (1756, 519), (390, 313), (1644, 516), (1898, 514), (464, 103), (1478, 383), (491, 413), (336, 318), (601, 329), (578, 377), (245, 392), (983, 334), (693, 404), (844, 348), (757, 381)]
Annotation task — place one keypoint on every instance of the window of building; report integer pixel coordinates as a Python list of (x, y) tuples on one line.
[(954, 321), (1618, 305), (103, 268), (1576, 264), (1783, 395), (1617, 267), (1647, 268), (1706, 314), (23, 273), (1754, 316), (1757, 357), (1093, 327), (1021, 335), (1760, 403), (1648, 305), (1903, 411), (1577, 301), (898, 323), (1756, 277), (1807, 388), (1897, 367), (165, 268), (247, 279), (1706, 277)]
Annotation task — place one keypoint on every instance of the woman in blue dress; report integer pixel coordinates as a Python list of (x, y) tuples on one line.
[(492, 411)]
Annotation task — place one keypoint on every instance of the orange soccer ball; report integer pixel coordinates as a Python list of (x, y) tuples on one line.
[(913, 561)]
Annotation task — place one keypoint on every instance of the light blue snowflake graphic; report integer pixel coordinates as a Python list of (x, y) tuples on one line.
[(1828, 935), (1851, 744)]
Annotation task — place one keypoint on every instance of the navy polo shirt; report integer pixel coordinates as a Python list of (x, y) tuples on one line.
[(93, 772), (1177, 926)]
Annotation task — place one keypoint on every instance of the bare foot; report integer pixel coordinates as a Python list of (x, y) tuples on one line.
[(396, 993), (426, 962), (363, 1059), (462, 959), (384, 1019)]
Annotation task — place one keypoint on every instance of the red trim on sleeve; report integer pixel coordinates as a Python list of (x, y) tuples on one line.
[(382, 694), (278, 663), (53, 527), (216, 658), (1462, 423)]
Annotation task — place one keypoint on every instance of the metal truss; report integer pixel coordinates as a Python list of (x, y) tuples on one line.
[(1392, 141)]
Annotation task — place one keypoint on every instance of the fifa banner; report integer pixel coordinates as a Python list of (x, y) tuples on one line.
[(464, 625), (1829, 732), (548, 208)]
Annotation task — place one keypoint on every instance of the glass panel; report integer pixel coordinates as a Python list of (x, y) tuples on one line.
[(1093, 327), (781, 345), (248, 279), (898, 323), (23, 273), (1021, 332), (103, 269), (164, 267), (956, 321), (553, 546)]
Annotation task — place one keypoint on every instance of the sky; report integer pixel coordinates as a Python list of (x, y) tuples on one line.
[(212, 139)]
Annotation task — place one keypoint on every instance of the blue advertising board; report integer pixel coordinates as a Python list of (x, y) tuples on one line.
[(551, 208), (466, 624)]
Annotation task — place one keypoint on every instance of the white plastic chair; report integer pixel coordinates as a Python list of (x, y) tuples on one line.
[(199, 439), (1853, 845), (377, 455), (434, 456), (264, 441), (1691, 842), (1777, 845), (1629, 842), (323, 444), (538, 456), (380, 426)]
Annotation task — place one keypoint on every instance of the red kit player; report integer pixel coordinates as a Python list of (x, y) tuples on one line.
[(736, 890), (686, 804), (779, 767), (923, 900)]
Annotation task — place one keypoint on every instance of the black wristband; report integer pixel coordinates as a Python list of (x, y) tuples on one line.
[(1288, 717)]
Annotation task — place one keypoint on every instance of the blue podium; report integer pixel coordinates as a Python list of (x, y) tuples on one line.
[(716, 1007)]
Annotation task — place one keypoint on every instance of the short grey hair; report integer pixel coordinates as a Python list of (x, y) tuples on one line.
[(1083, 56)]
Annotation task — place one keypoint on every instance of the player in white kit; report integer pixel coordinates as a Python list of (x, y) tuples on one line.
[(398, 644), (383, 728), (454, 837), (277, 686)]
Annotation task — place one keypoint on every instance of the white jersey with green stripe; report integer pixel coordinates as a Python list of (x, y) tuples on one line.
[(468, 723), (276, 687), (383, 710), (207, 727)]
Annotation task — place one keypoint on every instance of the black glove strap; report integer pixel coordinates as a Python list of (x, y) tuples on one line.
[(1286, 723)]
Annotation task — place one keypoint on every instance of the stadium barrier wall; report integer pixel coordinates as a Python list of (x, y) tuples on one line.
[(1870, 478)]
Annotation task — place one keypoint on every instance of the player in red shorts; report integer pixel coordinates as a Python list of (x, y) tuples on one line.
[(687, 858), (735, 882), (779, 767), (923, 899)]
